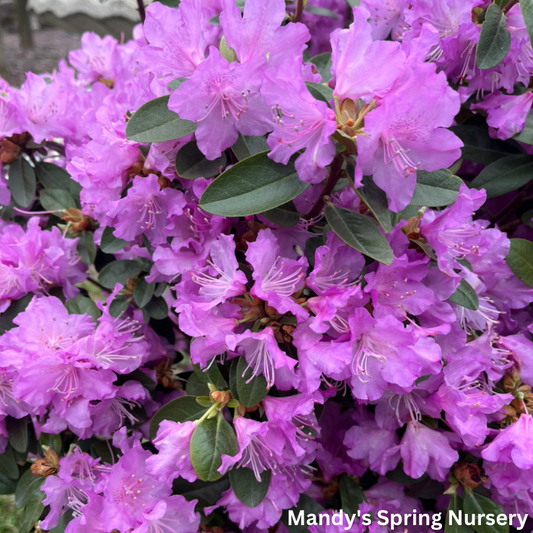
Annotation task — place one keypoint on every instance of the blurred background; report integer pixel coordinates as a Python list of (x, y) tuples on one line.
[(36, 34)]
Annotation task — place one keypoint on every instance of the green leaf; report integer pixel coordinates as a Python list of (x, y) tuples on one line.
[(520, 260), (505, 175), (209, 375), (7, 485), (247, 489), (436, 189), (253, 185), (494, 39), (248, 146), (16, 307), (319, 91), (526, 8), (17, 429), (526, 135), (54, 177), (196, 387), (376, 200), (64, 521), (251, 393), (32, 512), (153, 122), (285, 215), (118, 272), (211, 439), (399, 476), (81, 305), (192, 164), (359, 232), (118, 305), (27, 485), (22, 182), (309, 506), (480, 148), (322, 11), (56, 200), (451, 526), (476, 504), (8, 464), (184, 409), (175, 84), (323, 64), (527, 217), (465, 296), (143, 292), (52, 441), (157, 308), (351, 495), (86, 247), (110, 244)]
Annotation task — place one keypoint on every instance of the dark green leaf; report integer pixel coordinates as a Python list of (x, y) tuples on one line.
[(323, 64), (196, 387), (118, 272), (351, 495), (8, 464), (247, 489), (376, 200), (54, 177), (22, 182), (32, 512), (52, 441), (157, 308), (254, 185), (284, 215), (17, 429), (192, 164), (86, 248), (248, 146), (110, 244), (174, 84), (465, 296), (208, 493), (456, 507), (480, 148), (64, 521), (56, 200), (359, 232), (520, 260), (233, 378), (436, 189), (319, 91), (527, 217), (251, 393), (118, 305), (16, 307), (526, 8), (309, 506), (81, 305), (208, 375), (494, 40), (27, 485), (526, 135), (145, 264), (160, 289), (505, 175), (184, 409), (323, 12), (475, 504), (143, 292), (211, 439), (399, 476), (153, 122), (7, 485)]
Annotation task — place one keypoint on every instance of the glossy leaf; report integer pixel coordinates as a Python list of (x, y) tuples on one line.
[(319, 91), (54, 177), (118, 272), (456, 507), (22, 182), (17, 429), (306, 504), (253, 185), (436, 189), (211, 439), (184, 409), (526, 135), (52, 441), (32, 512), (246, 487), (110, 244), (248, 146), (475, 504), (86, 247), (284, 215), (192, 164), (465, 296), (206, 492), (351, 495), (56, 200), (376, 200), (520, 260), (81, 305), (143, 292), (494, 40), (153, 122), (27, 485), (8, 464), (250, 390), (505, 175), (323, 64), (359, 232), (157, 308)]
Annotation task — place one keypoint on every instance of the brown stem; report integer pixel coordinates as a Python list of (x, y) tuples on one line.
[(299, 10), (509, 5), (331, 181), (142, 12), (510, 226)]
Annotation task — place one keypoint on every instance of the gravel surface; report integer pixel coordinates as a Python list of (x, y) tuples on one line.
[(50, 46)]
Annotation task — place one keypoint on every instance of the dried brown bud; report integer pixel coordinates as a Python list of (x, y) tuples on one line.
[(130, 283), (164, 183), (48, 466), (9, 152), (220, 397), (468, 474)]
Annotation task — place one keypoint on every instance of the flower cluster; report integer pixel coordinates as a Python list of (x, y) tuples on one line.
[(268, 257)]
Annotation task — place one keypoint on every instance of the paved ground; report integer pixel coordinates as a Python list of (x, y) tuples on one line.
[(50, 47)]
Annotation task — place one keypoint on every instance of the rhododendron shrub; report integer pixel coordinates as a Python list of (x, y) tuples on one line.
[(271, 257)]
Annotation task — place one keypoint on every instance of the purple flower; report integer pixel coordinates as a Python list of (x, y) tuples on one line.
[(174, 514), (224, 99)]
